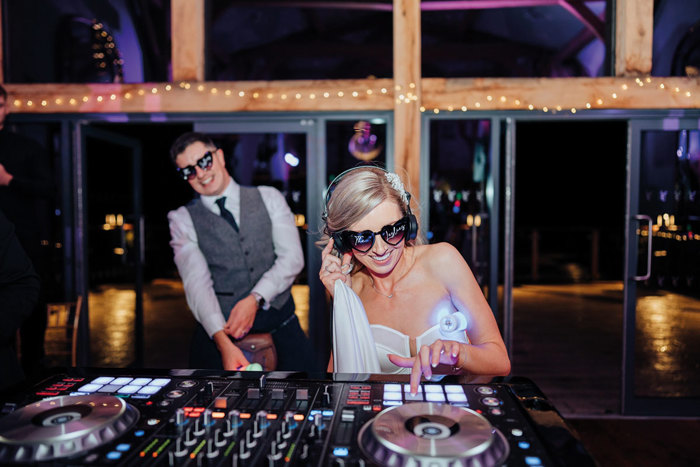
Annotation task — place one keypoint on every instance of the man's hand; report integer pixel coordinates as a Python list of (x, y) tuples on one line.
[(5, 176), (241, 318), (231, 356)]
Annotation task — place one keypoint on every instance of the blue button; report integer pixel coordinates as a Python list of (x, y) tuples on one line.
[(533, 460), (139, 433), (114, 455), (327, 413), (340, 452), (123, 447)]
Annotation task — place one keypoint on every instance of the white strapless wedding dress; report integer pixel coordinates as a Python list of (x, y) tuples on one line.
[(359, 347)]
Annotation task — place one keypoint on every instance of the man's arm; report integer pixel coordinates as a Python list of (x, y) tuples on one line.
[(194, 271)]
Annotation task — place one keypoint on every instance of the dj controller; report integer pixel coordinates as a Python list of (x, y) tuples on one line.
[(85, 417)]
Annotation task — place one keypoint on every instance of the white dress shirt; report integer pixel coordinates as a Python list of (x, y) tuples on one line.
[(193, 268)]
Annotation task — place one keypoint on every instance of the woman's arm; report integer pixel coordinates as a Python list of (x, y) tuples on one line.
[(486, 352)]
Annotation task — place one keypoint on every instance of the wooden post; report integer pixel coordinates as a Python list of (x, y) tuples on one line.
[(407, 90), (634, 31), (188, 39)]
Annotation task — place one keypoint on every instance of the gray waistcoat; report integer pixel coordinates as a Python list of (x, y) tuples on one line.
[(236, 260)]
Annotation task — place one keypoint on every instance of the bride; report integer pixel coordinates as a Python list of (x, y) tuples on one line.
[(425, 310)]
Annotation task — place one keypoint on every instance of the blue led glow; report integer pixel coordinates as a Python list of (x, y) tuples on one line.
[(114, 455), (533, 460), (524, 445), (340, 452)]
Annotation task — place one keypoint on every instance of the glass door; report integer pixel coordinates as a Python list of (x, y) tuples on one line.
[(460, 195), (111, 247), (662, 275)]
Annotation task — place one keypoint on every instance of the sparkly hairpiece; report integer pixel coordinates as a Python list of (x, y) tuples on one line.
[(397, 184)]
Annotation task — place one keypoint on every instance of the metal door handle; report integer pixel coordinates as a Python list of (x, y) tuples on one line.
[(642, 217)]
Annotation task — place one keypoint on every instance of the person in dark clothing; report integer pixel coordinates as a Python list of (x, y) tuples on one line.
[(19, 289), (26, 190)]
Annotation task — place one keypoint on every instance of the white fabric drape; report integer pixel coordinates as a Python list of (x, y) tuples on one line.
[(354, 350)]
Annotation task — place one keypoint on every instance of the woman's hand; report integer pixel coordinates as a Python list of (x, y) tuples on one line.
[(450, 353), (332, 268)]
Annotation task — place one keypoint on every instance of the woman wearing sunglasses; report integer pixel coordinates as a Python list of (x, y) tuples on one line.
[(426, 312)]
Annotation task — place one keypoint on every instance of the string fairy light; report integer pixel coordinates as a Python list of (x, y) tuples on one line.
[(610, 96)]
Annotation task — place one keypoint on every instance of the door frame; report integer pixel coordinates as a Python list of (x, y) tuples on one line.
[(631, 404), (82, 131)]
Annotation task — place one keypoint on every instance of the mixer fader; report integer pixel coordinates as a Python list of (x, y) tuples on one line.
[(197, 418)]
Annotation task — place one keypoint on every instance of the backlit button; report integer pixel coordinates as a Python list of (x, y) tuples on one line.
[(533, 460), (102, 380), (159, 382), (491, 401), (187, 384), (175, 393), (90, 387), (434, 397), (496, 411), (485, 390), (392, 396), (123, 447), (516, 432), (524, 445), (114, 455)]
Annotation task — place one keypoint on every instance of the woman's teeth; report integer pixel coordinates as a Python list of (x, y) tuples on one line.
[(383, 257)]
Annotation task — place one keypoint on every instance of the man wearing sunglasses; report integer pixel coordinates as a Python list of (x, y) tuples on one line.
[(238, 252)]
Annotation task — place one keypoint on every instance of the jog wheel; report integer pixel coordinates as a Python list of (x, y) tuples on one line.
[(63, 427), (430, 434)]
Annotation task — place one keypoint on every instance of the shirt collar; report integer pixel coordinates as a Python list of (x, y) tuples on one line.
[(232, 192)]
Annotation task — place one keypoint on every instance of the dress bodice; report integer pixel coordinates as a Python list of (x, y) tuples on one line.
[(390, 341)]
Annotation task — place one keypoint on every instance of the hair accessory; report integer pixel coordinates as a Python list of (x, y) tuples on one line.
[(397, 184)]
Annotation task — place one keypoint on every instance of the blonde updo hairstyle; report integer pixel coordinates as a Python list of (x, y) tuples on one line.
[(357, 193)]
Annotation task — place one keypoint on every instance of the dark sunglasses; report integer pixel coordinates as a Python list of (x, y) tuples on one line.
[(204, 163), (364, 241)]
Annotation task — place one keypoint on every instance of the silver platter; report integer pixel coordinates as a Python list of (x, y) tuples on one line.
[(427, 433), (63, 426)]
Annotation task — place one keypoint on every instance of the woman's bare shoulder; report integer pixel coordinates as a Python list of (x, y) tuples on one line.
[(437, 254)]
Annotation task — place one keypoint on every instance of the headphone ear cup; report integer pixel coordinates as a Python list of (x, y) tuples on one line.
[(412, 227), (339, 244)]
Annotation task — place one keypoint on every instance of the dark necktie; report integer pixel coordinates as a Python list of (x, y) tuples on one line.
[(226, 214)]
